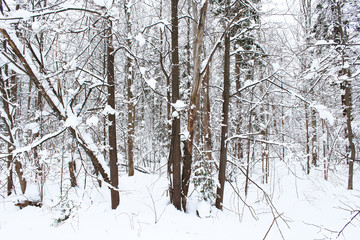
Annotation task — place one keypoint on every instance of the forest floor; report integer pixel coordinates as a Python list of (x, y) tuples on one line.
[(295, 206)]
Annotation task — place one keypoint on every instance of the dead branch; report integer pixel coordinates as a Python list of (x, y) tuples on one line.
[(272, 223), (342, 230), (28, 203)]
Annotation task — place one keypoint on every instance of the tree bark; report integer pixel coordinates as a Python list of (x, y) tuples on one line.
[(194, 99), (349, 131), (114, 178), (238, 144), (314, 143), (175, 151), (72, 169), (207, 131), (224, 125), (307, 147), (197, 75), (131, 107)]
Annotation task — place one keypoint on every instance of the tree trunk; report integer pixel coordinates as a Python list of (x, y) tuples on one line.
[(247, 171), (131, 107), (10, 183), (194, 99), (207, 131), (350, 135), (325, 145), (346, 86), (224, 125), (131, 123), (314, 143), (307, 147), (72, 169), (195, 92), (115, 197), (238, 144), (175, 151)]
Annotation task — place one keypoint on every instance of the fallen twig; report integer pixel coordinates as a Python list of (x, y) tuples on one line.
[(272, 223), (357, 213)]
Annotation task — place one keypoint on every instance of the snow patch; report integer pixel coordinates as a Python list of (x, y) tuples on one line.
[(72, 92), (21, 13), (185, 134), (248, 83), (175, 114), (321, 42), (324, 113), (152, 83), (104, 3), (73, 121), (179, 105), (143, 71), (140, 39), (109, 110), (37, 26), (34, 127), (93, 121)]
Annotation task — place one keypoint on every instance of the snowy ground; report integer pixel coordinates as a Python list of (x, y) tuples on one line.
[(304, 207)]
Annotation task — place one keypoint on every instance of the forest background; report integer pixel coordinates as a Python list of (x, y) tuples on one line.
[(216, 108)]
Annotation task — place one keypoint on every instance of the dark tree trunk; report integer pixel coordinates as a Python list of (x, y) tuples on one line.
[(207, 131), (238, 145), (72, 169), (349, 131), (115, 197), (10, 182), (175, 151), (131, 123), (224, 125)]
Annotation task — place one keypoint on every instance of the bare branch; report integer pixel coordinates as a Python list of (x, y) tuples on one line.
[(51, 12), (342, 230)]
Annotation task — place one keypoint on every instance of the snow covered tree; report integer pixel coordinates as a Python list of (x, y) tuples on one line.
[(336, 32)]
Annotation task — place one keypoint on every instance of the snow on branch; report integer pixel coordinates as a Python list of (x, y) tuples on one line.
[(247, 137), (207, 61), (34, 144), (51, 98), (5, 139), (55, 102), (23, 14)]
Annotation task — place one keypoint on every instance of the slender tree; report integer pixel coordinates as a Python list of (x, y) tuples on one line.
[(175, 151), (131, 108), (225, 116), (115, 197)]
